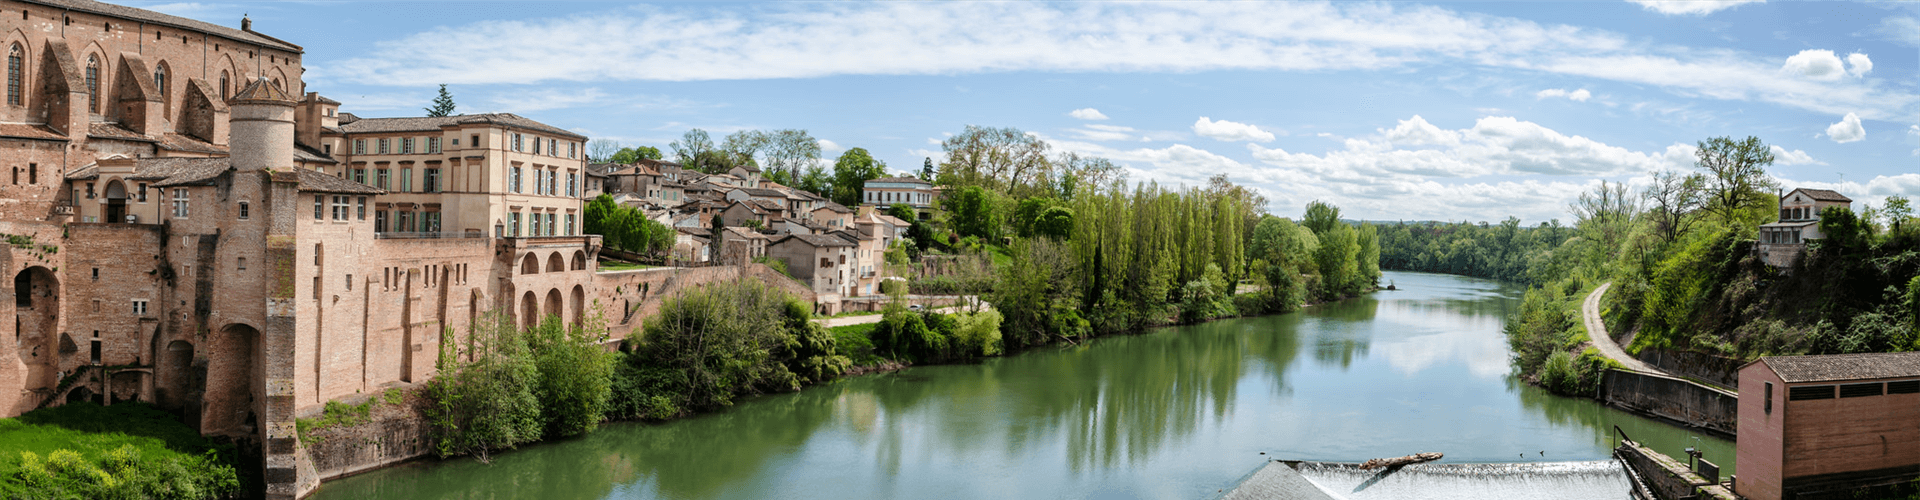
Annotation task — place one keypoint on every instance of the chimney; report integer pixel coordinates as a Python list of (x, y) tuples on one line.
[(246, 23), (262, 127)]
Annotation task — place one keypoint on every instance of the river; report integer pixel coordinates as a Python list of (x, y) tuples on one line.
[(1179, 412)]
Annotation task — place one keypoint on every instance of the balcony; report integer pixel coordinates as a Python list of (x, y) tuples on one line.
[(398, 235), (63, 209)]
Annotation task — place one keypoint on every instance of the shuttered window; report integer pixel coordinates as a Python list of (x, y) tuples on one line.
[(1809, 392)]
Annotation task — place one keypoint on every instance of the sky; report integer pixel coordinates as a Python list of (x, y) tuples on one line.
[(1403, 110)]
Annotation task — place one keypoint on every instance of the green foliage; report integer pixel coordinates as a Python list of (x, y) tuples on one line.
[(1320, 217), (574, 375), (856, 342), (1738, 189), (442, 104), (850, 175), (488, 403), (975, 212), (124, 451), (813, 352), (713, 343), (1038, 282), (1506, 251), (628, 156), (626, 228), (976, 334), (1202, 300)]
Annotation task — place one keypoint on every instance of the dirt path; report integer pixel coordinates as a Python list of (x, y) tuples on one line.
[(1597, 332)]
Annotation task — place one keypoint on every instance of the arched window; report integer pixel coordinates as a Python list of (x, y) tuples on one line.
[(15, 66), (223, 85), (160, 80), (93, 83)]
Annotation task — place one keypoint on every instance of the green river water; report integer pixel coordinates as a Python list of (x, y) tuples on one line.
[(1178, 412)]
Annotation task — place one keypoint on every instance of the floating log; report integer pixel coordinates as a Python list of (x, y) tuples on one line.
[(1399, 461)]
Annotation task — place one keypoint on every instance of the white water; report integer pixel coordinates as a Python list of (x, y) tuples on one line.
[(1599, 480)]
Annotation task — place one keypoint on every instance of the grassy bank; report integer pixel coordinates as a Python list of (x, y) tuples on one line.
[(128, 450)]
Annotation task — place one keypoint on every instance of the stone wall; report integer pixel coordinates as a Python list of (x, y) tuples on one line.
[(1709, 408), (1668, 478), (1716, 370)]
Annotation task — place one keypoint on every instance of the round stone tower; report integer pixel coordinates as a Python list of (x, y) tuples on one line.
[(262, 127)]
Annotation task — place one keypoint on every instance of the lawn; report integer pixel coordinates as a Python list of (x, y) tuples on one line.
[(128, 450)]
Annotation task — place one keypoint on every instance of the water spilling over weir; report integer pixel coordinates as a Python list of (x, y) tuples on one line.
[(1289, 480)]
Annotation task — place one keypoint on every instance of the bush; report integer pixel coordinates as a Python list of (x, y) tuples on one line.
[(488, 403), (575, 376), (976, 334), (815, 355), (904, 335), (719, 341), (128, 450)]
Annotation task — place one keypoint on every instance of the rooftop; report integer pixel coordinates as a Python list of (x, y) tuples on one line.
[(434, 123), (1843, 367), (1823, 195), (151, 17)]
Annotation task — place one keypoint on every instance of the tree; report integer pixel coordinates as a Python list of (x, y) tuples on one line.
[(1055, 222), (1321, 218), (1605, 214), (790, 150), (601, 150), (850, 175), (926, 169), (1736, 180), (1671, 200), (693, 149), (1003, 159), (817, 180), (634, 154), (442, 105), (1896, 211), (973, 213)]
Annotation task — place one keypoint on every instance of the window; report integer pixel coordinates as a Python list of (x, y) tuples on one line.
[(33, 173), (1769, 407), (573, 188), (1809, 392), (551, 230), (534, 226), (15, 66), (404, 221), (360, 208), (223, 85), (89, 190), (516, 142), (384, 142), (360, 175), (406, 145), (571, 147), (342, 208), (380, 178), (359, 146), (241, 263), (473, 142), (319, 206), (536, 145), (513, 181), (243, 210), (406, 180), (180, 203), (139, 307), (569, 224), (380, 221), (93, 83), (142, 192), (160, 81), (430, 222), (349, 282), (431, 182), (433, 144), (553, 147), (513, 224)]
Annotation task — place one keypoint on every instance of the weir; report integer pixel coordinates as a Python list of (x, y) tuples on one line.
[(1286, 479)]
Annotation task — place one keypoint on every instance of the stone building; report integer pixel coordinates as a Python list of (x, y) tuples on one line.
[(185, 227), (1783, 241), (1825, 426), (911, 191)]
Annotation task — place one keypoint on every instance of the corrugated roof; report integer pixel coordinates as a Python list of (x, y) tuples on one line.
[(433, 124), (1844, 367), (152, 17)]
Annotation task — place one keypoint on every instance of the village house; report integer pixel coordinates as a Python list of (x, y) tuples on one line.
[(911, 191), (1782, 242), (1814, 424), (821, 261)]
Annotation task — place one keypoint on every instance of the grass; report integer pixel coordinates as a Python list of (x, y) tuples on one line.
[(855, 343), (84, 450), (1002, 257), (338, 414)]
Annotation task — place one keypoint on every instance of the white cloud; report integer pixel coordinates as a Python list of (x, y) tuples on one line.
[(1578, 95), (1230, 131), (522, 101), (1784, 157), (1417, 132), (1858, 65), (1087, 114), (1901, 29), (1848, 130), (795, 40), (1817, 64), (827, 146), (1691, 7), (1098, 132)]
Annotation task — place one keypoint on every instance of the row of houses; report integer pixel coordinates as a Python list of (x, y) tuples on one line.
[(838, 251)]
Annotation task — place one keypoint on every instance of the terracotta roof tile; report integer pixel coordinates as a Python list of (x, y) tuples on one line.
[(1824, 195), (317, 181), (113, 131), (1843, 367), (433, 124), (152, 17), (28, 131)]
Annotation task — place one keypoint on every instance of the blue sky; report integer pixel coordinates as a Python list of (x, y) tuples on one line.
[(1400, 110)]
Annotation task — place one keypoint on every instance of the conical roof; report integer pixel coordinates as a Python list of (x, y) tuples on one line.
[(262, 91)]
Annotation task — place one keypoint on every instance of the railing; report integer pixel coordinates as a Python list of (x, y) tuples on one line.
[(63, 209), (397, 235)]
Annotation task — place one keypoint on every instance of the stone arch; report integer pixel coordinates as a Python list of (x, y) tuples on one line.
[(174, 375), (18, 86), (230, 76), (80, 393), (164, 83), (529, 310), (280, 80), (555, 263), (578, 305), (579, 260), (93, 73), (235, 389), (530, 264), (553, 305), (115, 201), (36, 327)]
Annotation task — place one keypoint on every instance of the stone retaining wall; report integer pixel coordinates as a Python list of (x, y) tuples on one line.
[(1709, 408)]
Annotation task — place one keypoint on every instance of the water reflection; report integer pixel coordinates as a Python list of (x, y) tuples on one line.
[(1174, 413)]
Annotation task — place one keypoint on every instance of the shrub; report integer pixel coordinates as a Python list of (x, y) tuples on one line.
[(488, 403), (976, 334), (575, 375)]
